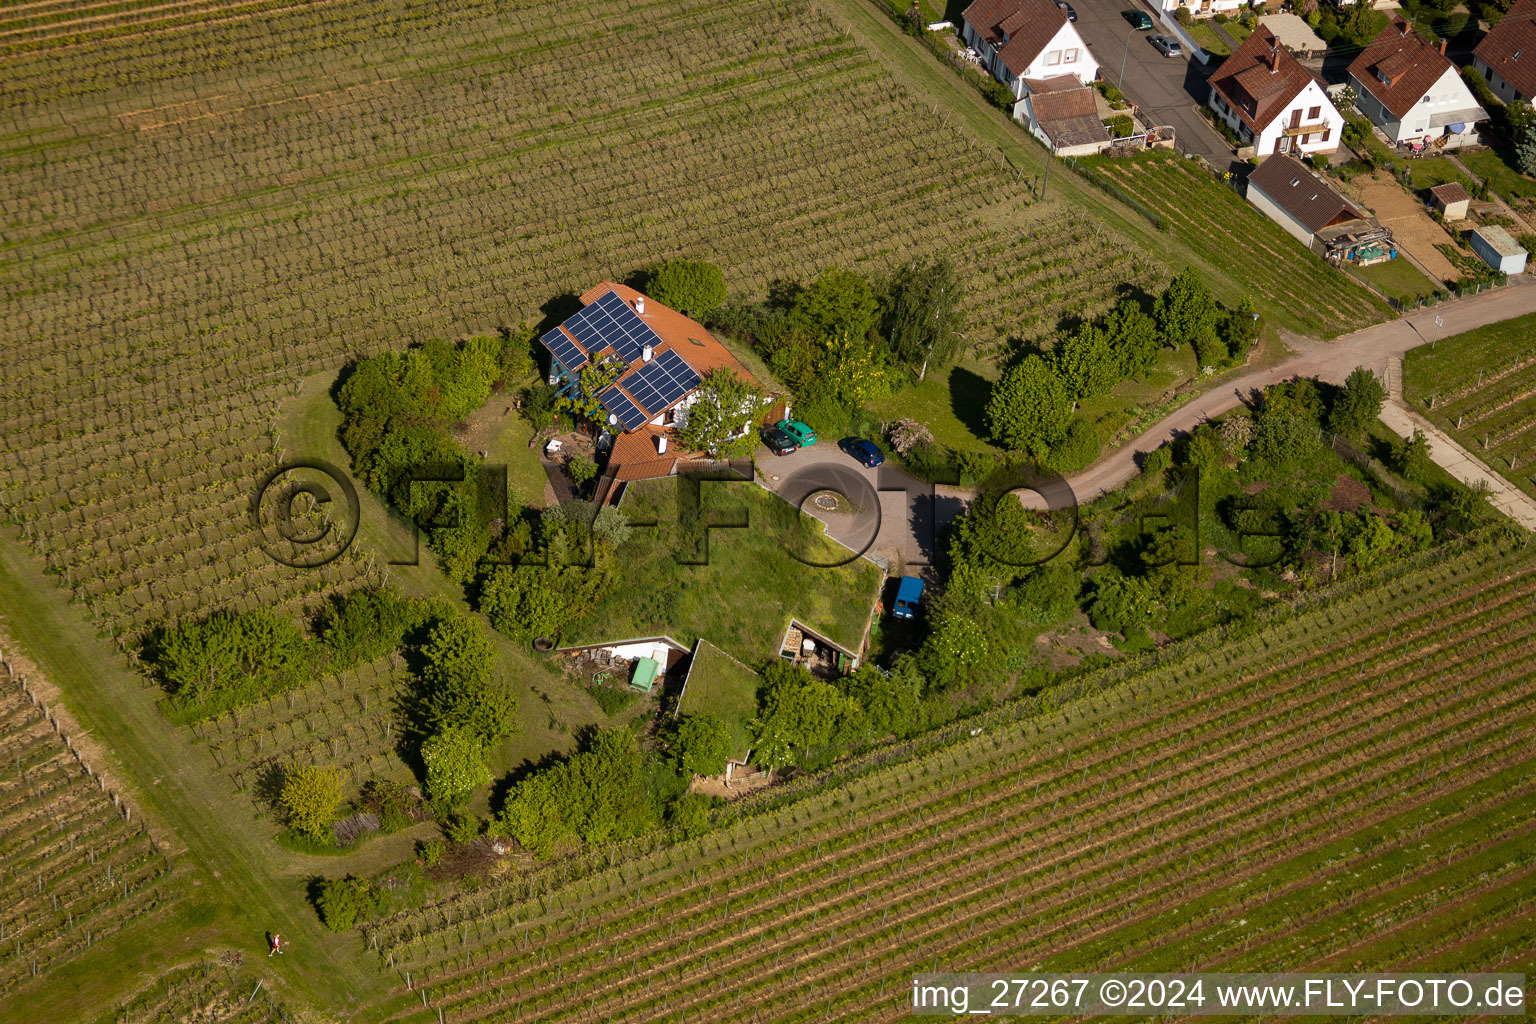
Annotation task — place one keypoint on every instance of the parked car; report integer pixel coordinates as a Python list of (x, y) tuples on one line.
[(779, 442), (909, 593), (1071, 14), (801, 434), (1139, 19), (864, 451), (1168, 45)]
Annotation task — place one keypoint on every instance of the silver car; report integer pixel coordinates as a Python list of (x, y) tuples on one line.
[(1168, 45)]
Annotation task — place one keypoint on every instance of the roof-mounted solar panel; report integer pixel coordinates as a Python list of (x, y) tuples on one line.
[(566, 353), (630, 415)]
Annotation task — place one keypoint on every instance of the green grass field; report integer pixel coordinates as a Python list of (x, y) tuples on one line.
[(1399, 278), (721, 686), (1480, 387), (1430, 171), (752, 583), (1502, 178)]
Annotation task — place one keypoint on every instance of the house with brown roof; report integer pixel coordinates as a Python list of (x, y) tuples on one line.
[(646, 363), (1506, 57), (1269, 100), (1315, 214), (1201, 8), (1451, 199), (1412, 92), (1064, 115), (1027, 39)]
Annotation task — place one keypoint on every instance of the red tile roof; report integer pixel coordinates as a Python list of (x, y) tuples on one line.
[(1260, 79), (1449, 192), (1510, 48), (1069, 117), (1302, 194), (1027, 24), (1408, 63)]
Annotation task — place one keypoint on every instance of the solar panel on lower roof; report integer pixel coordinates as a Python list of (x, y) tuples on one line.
[(628, 413), (610, 322), (661, 382), (566, 353)]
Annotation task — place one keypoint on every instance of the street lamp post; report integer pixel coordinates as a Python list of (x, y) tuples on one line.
[(1125, 52)]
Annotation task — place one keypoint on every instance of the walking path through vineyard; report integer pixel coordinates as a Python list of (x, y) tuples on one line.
[(1376, 348)]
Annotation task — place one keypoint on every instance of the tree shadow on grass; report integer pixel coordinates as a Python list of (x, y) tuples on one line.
[(968, 393)]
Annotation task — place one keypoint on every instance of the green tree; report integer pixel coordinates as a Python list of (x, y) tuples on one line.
[(797, 710), (1357, 403), (1239, 330), (702, 744), (854, 370), (341, 901), (1122, 604), (582, 470), (689, 814), (462, 688), (721, 418), (1284, 439), (921, 314), (1029, 410), (1132, 337), (1410, 456), (1525, 151), (693, 287), (956, 649), (309, 798), (1187, 314), (1086, 362), (891, 704), (838, 302), (594, 378), (455, 761)]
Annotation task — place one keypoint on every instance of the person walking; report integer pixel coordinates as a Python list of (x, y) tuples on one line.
[(277, 944)]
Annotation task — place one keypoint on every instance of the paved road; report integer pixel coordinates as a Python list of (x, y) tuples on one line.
[(1373, 348), (1452, 457), (892, 516), (1167, 89)]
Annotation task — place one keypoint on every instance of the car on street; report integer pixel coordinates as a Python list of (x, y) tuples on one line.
[(1071, 14), (801, 434), (1139, 19), (1168, 45), (778, 441), (864, 451)]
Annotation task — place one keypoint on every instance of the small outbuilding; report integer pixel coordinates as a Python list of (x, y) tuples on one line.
[(1450, 199), (1295, 35), (1495, 247)]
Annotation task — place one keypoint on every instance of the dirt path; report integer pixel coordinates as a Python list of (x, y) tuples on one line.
[(1416, 231), (1374, 348)]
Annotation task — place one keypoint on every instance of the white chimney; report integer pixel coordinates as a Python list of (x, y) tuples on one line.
[(640, 304), (661, 444), (645, 354)]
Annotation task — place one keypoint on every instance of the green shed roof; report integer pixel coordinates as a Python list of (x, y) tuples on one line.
[(645, 674)]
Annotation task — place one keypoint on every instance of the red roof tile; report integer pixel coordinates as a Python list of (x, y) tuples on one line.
[(1027, 24), (1510, 48), (1260, 79), (1408, 63)]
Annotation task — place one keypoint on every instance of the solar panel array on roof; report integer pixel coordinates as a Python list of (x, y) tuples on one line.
[(611, 323), (628, 413), (565, 351), (661, 382)]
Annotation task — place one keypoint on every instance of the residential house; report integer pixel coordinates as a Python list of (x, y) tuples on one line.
[(1451, 199), (1506, 58), (1315, 214), (1201, 8), (1027, 39), (659, 358), (1273, 103), (1412, 92), (1063, 114), (1497, 248)]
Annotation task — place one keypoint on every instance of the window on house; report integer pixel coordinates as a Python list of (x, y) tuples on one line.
[(1327, 132), (1488, 74), (1053, 58), (1312, 114), (1070, 57)]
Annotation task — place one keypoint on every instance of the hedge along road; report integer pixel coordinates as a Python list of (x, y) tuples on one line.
[(1373, 348)]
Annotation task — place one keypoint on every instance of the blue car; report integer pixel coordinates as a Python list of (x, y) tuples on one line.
[(909, 594), (864, 451)]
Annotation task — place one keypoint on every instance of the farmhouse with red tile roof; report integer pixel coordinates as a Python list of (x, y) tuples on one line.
[(1020, 39), (1506, 58), (1412, 92), (658, 358), (1270, 100)]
